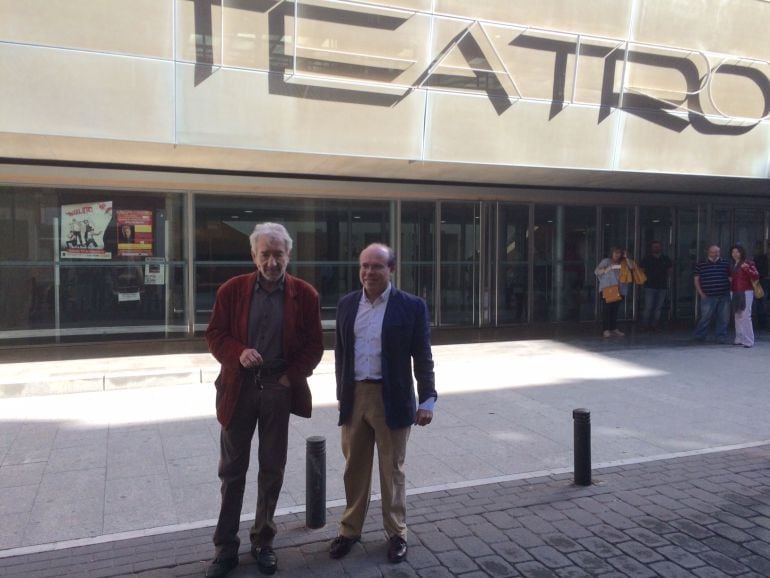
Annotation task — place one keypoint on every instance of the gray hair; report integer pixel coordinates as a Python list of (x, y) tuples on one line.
[(273, 231)]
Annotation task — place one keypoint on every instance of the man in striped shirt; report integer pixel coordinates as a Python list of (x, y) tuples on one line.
[(712, 282)]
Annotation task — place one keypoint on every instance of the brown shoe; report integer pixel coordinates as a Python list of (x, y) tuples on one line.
[(341, 546), (221, 567), (396, 549), (267, 561)]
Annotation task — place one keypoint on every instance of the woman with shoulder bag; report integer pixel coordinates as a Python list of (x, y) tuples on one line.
[(613, 291), (743, 273)]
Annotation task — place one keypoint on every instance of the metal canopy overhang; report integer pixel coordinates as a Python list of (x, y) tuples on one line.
[(19, 154)]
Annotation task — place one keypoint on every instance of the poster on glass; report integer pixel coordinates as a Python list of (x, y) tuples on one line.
[(134, 233), (82, 230)]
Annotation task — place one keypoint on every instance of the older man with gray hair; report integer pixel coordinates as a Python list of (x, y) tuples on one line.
[(265, 331)]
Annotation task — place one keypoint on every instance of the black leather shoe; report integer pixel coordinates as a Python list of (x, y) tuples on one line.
[(341, 546), (267, 561), (221, 567), (396, 549)]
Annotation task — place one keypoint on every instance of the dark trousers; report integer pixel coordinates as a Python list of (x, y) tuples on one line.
[(266, 409), (713, 307), (610, 315)]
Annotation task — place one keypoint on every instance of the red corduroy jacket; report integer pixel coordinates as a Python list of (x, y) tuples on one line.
[(740, 279), (228, 331)]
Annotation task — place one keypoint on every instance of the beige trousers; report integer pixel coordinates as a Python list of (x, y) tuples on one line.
[(365, 429)]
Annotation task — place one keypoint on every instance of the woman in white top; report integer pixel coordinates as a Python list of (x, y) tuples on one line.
[(608, 274)]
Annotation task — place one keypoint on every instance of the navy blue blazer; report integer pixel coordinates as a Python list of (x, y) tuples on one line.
[(405, 339)]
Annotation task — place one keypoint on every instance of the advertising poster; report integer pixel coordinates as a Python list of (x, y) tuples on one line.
[(134, 233), (82, 230)]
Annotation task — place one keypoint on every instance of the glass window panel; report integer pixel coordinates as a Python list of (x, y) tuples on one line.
[(750, 230), (459, 263), (513, 269), (656, 225), (28, 297), (618, 231), (686, 255), (721, 230), (105, 287), (565, 245), (418, 240), (328, 237)]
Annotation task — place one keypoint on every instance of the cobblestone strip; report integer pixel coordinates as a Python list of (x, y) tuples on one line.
[(705, 515)]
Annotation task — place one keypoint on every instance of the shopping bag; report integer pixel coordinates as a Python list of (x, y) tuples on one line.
[(611, 294)]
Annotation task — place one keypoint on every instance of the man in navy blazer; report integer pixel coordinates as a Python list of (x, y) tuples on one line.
[(383, 335)]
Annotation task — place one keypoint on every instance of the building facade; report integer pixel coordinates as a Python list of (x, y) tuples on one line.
[(501, 147)]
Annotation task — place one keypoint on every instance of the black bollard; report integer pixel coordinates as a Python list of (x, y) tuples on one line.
[(582, 433), (315, 482)]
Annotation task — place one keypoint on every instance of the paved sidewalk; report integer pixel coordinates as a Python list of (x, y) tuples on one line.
[(703, 515), (108, 467)]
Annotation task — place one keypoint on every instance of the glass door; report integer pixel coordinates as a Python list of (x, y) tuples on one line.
[(512, 264), (656, 225), (618, 226), (564, 260), (687, 252), (418, 249), (459, 263)]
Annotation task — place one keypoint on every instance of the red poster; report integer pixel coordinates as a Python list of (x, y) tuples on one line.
[(134, 233)]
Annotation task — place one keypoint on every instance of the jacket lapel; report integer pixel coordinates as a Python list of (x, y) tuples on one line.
[(243, 308), (289, 311), (350, 322)]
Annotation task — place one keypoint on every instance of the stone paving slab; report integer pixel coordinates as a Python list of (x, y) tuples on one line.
[(505, 408), (701, 515)]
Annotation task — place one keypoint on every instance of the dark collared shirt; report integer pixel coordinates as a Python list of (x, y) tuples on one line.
[(266, 323), (714, 277), (656, 268)]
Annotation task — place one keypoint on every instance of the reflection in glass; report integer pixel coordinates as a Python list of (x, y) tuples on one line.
[(750, 230), (721, 230), (656, 225), (513, 269), (418, 240), (459, 263), (27, 297), (52, 291), (687, 254), (120, 294), (328, 237), (565, 246)]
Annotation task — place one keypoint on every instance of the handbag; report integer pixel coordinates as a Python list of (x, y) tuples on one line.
[(635, 275), (625, 275), (640, 278), (759, 292), (611, 294)]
